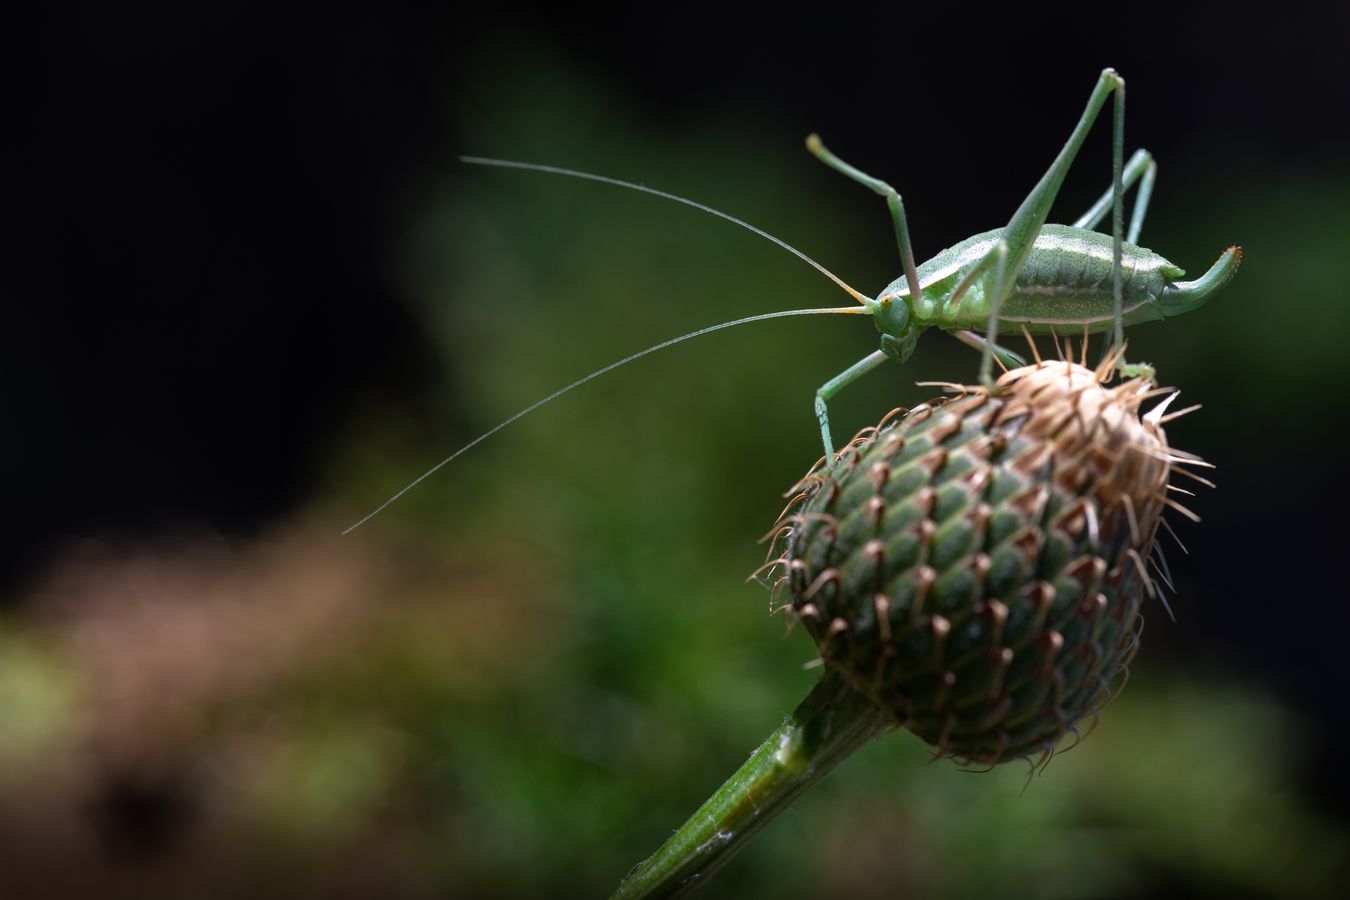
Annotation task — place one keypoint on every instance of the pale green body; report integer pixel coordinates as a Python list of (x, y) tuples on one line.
[(1029, 275), (1064, 284)]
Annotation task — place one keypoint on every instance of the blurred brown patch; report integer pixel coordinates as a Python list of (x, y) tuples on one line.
[(193, 747)]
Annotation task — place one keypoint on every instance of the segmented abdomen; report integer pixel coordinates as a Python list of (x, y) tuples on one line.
[(1065, 281), (1072, 285)]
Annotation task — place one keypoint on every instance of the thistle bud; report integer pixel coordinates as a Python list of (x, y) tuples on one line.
[(976, 565)]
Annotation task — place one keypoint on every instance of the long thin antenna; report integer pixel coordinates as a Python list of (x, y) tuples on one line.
[(604, 179), (846, 310)]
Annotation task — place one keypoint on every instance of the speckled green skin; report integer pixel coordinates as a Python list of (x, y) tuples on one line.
[(1001, 622)]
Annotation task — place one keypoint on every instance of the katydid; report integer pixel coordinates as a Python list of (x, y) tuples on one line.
[(1028, 275)]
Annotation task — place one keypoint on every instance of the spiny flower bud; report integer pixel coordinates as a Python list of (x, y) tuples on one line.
[(976, 565)]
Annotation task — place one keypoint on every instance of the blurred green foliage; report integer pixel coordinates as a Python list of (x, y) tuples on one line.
[(551, 655)]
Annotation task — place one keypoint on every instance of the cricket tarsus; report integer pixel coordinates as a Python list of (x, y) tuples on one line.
[(845, 310)]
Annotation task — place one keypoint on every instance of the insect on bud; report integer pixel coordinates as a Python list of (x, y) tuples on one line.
[(976, 565)]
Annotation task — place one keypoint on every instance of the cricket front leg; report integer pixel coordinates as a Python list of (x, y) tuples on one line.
[(893, 202), (834, 386)]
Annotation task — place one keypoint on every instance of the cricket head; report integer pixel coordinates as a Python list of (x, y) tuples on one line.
[(893, 318), (1183, 296)]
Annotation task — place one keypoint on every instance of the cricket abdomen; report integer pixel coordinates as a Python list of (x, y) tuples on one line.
[(1065, 282)]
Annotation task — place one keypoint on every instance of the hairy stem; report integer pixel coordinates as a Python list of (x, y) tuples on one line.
[(829, 725)]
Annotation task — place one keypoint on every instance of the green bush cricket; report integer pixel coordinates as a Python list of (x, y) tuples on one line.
[(1028, 275)]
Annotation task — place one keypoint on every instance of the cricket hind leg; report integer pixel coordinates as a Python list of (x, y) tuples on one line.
[(1141, 200), (1026, 223), (1118, 222), (1144, 169), (834, 386), (1141, 165)]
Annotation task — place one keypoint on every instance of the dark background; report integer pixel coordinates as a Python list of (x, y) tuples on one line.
[(209, 210), (205, 202)]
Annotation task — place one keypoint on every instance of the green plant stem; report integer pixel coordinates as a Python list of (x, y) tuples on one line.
[(829, 725)]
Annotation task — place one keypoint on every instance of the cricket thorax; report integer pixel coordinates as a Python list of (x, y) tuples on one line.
[(1064, 281)]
